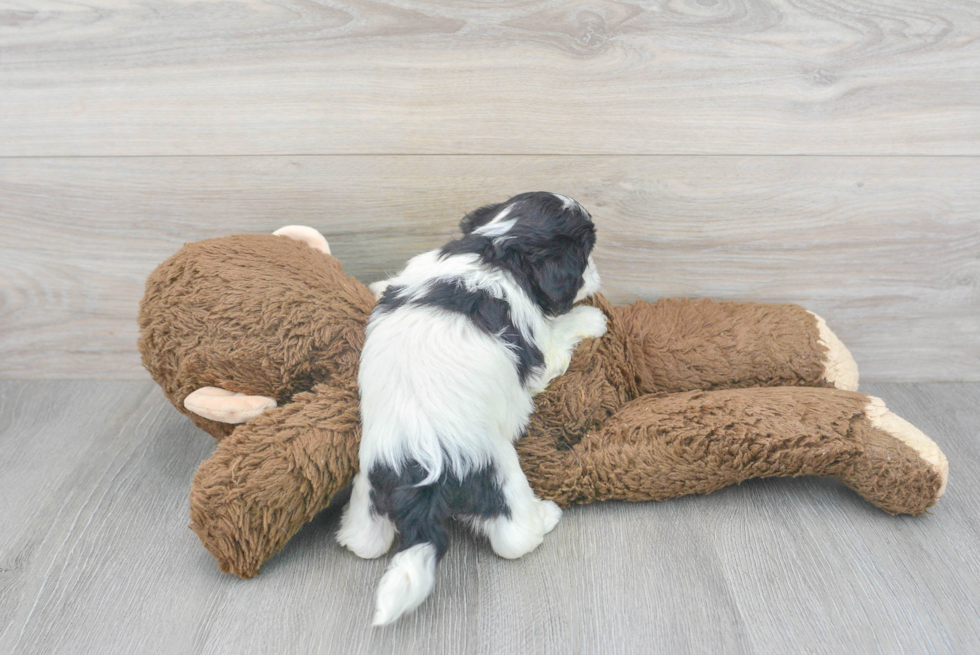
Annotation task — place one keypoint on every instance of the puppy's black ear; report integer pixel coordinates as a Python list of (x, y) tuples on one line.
[(479, 217), (557, 272), (559, 277)]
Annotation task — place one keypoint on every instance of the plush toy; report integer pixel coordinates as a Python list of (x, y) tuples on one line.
[(256, 338)]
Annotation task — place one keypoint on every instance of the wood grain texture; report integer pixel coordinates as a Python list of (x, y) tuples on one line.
[(154, 77), (44, 429), (97, 554), (100, 559), (886, 249)]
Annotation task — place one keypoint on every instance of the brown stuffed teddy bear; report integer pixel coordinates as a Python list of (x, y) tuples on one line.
[(256, 338)]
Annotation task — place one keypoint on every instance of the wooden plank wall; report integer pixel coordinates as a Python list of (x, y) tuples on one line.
[(819, 152)]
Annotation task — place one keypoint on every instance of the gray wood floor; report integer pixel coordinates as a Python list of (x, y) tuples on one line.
[(95, 556)]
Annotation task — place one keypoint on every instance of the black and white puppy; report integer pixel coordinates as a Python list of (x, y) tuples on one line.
[(457, 345)]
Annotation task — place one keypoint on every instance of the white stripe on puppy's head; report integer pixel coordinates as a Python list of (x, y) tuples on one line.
[(497, 226), (493, 214)]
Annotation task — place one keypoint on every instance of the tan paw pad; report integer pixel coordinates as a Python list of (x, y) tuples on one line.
[(840, 369), (226, 406)]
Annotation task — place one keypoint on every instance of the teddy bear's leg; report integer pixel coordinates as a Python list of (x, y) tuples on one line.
[(656, 448), (307, 235), (530, 517), (682, 345), (362, 530), (273, 475)]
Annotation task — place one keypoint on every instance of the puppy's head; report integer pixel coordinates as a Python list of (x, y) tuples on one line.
[(546, 240)]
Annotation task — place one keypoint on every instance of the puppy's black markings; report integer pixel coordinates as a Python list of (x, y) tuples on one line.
[(390, 300), (422, 513), (491, 315)]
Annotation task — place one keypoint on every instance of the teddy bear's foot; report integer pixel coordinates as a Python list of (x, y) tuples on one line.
[(226, 406), (901, 464), (840, 369), (307, 235)]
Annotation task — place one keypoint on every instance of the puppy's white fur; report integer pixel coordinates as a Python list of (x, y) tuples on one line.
[(407, 582), (362, 531)]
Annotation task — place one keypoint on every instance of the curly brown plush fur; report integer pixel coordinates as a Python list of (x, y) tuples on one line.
[(679, 397)]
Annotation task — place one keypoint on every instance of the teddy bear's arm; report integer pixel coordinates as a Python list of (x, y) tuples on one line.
[(682, 345), (274, 474), (656, 448)]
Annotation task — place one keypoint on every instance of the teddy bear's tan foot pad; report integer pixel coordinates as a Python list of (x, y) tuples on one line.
[(840, 369), (307, 235), (883, 419), (226, 406)]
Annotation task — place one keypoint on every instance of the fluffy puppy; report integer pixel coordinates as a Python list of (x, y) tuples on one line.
[(457, 345)]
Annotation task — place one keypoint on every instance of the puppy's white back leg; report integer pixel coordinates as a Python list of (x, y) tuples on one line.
[(530, 517), (362, 530)]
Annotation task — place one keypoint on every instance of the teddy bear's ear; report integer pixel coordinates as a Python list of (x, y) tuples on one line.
[(226, 406), (307, 235), (273, 475)]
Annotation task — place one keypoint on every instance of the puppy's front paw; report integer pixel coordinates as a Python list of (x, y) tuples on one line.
[(539, 387), (588, 322)]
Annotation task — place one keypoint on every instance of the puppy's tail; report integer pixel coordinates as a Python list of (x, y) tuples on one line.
[(421, 515), (407, 582)]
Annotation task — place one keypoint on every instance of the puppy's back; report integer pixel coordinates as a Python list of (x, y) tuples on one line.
[(436, 387)]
